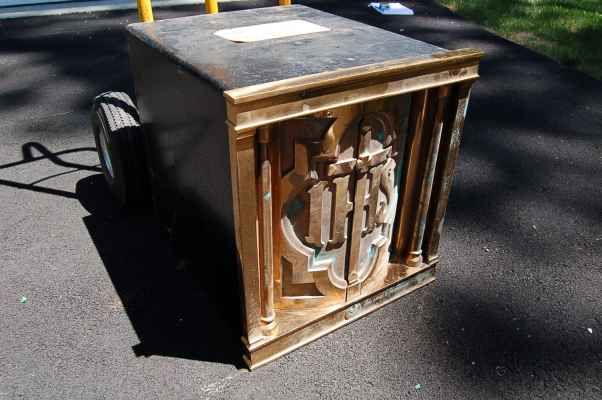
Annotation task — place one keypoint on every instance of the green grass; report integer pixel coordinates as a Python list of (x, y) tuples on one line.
[(569, 31)]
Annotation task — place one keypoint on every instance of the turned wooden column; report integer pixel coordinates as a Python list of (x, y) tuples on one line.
[(243, 164), (450, 147), (265, 192), (420, 166), (418, 115)]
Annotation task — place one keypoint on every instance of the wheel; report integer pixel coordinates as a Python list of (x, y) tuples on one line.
[(120, 145)]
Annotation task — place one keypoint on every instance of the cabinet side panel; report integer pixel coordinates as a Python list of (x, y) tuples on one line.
[(187, 149), (184, 120)]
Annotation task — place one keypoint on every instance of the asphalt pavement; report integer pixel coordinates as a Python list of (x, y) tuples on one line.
[(94, 304)]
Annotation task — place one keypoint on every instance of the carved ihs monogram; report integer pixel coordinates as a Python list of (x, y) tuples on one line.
[(339, 198)]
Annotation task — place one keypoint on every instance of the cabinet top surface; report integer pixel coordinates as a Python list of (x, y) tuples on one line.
[(191, 42)]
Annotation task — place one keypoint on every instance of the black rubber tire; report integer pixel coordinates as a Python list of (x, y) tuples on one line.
[(120, 145)]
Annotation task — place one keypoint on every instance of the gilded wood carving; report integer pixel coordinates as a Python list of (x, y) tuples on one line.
[(340, 181), (338, 196)]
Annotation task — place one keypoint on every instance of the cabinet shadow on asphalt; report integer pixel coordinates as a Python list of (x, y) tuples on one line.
[(180, 304)]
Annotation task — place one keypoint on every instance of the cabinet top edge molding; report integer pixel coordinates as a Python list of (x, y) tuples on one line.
[(342, 50), (393, 69)]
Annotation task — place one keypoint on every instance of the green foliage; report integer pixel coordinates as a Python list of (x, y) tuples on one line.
[(569, 31)]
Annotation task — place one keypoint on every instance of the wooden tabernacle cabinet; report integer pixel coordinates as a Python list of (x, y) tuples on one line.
[(325, 159)]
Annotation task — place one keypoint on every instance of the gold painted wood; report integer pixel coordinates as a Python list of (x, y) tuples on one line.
[(265, 193), (310, 326), (405, 68), (450, 148), (413, 256), (245, 203), (411, 171), (252, 115), (332, 165), (375, 200), (340, 183), (314, 210)]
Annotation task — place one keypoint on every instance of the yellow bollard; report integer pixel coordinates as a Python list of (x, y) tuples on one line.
[(145, 10), (284, 2), (211, 7)]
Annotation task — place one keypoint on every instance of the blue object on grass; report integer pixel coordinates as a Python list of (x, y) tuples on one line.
[(391, 9)]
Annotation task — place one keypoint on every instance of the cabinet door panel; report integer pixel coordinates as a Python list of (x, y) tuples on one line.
[(316, 179), (375, 199), (337, 181)]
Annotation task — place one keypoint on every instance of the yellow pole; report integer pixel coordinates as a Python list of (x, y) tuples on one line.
[(145, 10), (284, 2), (211, 7)]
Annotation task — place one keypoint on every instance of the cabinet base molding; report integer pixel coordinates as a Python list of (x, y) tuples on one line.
[(317, 323)]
